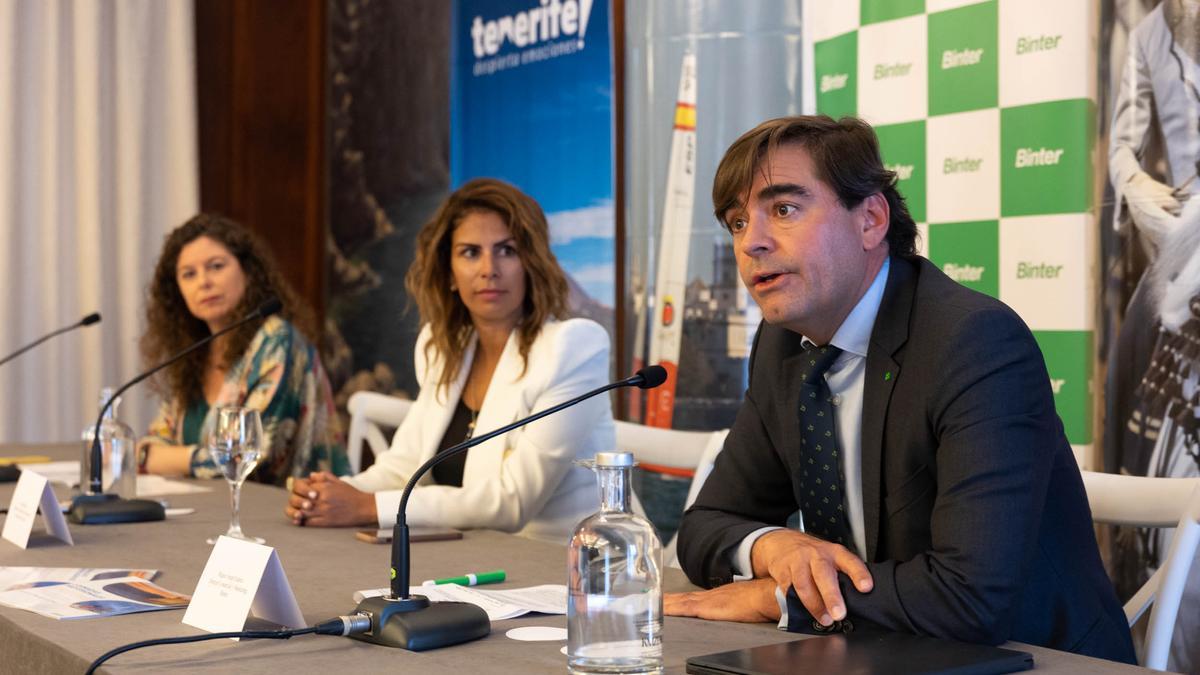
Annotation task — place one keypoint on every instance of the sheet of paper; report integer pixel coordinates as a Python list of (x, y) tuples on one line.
[(495, 609), (52, 517), (506, 604), (65, 473), (89, 599), (33, 492), (547, 598), (22, 510), (275, 601), (242, 576), (149, 487)]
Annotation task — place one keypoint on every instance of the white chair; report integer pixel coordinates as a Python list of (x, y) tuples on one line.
[(686, 454), (1153, 502), (368, 411)]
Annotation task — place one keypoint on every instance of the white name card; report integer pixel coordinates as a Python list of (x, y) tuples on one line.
[(33, 491), (242, 578)]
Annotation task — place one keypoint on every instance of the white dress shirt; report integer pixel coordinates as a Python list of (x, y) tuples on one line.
[(846, 378)]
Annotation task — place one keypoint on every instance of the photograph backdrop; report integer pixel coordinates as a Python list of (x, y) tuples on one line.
[(1150, 232)]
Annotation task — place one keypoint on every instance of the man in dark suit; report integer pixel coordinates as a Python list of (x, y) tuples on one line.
[(907, 418)]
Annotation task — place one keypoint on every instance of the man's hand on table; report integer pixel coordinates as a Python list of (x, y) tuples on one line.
[(789, 558), (750, 601)]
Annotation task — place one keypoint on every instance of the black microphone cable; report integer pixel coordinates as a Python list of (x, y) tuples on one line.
[(342, 625)]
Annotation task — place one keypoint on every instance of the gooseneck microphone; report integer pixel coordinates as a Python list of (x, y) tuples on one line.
[(413, 622), (98, 508), (88, 320)]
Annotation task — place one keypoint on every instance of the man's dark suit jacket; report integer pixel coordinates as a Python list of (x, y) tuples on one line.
[(977, 524)]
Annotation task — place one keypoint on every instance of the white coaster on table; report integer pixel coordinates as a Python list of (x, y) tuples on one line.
[(537, 633)]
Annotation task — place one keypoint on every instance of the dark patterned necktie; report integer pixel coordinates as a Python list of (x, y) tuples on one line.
[(822, 487)]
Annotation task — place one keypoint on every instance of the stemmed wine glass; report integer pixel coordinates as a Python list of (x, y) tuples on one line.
[(235, 445)]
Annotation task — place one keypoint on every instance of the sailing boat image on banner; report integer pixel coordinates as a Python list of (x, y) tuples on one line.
[(674, 247)]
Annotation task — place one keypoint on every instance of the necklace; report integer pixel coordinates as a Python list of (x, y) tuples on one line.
[(471, 424), (474, 412), (475, 391)]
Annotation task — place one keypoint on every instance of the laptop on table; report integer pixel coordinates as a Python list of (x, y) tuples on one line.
[(864, 652)]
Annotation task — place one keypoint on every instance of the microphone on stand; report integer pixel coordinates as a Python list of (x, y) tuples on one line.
[(413, 622), (88, 320), (93, 507)]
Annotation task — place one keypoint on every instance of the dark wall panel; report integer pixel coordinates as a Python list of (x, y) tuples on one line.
[(261, 92)]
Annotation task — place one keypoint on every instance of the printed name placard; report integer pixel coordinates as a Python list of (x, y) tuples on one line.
[(242, 578), (34, 491)]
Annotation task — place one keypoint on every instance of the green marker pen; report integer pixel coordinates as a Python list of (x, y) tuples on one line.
[(493, 577)]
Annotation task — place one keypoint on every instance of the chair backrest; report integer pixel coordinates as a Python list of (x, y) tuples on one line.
[(1153, 502), (368, 411), (679, 453), (669, 451)]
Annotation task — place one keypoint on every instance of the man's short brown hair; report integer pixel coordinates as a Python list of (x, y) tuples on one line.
[(846, 157)]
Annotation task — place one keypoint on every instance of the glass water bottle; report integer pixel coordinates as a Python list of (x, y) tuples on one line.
[(117, 451), (614, 581)]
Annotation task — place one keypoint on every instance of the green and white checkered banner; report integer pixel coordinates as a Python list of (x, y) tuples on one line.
[(986, 110)]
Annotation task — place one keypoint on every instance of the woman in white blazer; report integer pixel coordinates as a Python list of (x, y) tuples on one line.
[(493, 349)]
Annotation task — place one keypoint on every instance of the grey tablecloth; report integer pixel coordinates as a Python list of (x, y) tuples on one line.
[(324, 567)]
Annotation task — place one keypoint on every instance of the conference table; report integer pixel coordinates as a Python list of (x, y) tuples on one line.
[(324, 568)]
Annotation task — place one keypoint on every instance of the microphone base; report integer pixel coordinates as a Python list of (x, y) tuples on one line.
[(416, 624), (107, 509)]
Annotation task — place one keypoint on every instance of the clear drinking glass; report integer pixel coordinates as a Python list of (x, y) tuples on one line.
[(235, 445)]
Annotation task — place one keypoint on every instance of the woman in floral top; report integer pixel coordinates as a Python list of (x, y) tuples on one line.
[(212, 272)]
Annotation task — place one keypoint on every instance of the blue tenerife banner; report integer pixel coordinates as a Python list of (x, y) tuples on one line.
[(531, 103)]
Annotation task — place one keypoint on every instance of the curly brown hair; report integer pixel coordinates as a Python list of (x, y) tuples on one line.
[(171, 327), (429, 279)]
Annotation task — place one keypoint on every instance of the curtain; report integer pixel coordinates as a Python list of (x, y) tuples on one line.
[(98, 160)]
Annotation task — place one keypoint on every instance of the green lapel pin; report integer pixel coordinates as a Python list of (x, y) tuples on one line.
[(887, 376)]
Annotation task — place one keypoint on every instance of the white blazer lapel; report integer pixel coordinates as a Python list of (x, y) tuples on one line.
[(503, 404)]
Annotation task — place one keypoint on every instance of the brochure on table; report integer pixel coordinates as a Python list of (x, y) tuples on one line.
[(12, 576), (84, 593)]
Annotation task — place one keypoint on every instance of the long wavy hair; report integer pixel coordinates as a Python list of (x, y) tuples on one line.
[(171, 327), (429, 279)]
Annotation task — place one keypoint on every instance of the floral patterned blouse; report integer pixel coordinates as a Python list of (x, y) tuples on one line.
[(281, 376)]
